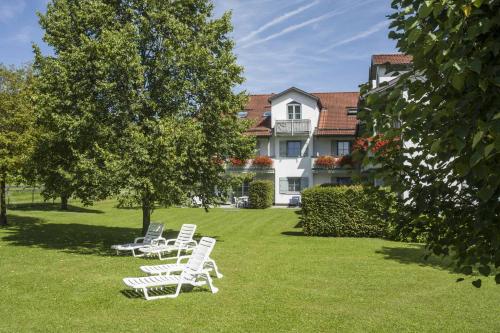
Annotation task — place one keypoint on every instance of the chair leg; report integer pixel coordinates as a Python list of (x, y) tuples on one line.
[(213, 288), (212, 263)]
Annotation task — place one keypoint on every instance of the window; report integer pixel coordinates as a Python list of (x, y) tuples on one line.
[(241, 190), (294, 111), (343, 148), (242, 114), (343, 181), (352, 111), (294, 184), (293, 148)]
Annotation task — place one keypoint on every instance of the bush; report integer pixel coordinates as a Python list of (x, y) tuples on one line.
[(347, 211), (260, 194)]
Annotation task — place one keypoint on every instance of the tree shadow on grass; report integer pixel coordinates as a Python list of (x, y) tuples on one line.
[(71, 237), (416, 255), (47, 206)]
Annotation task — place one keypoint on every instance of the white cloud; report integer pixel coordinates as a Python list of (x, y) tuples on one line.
[(315, 20), (11, 10), (363, 34), (277, 20)]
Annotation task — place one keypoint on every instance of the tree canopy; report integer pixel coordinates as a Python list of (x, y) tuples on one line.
[(445, 157), (142, 94), (16, 121)]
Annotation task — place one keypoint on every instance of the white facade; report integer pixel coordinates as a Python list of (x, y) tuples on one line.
[(291, 174)]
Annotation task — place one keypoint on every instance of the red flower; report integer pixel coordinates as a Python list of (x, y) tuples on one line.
[(236, 162), (262, 162), (327, 162)]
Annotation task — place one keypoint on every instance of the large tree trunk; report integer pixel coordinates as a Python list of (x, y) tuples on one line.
[(146, 215), (3, 201), (64, 202)]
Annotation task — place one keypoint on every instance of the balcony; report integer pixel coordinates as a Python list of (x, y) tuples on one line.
[(292, 127), (260, 164), (332, 164)]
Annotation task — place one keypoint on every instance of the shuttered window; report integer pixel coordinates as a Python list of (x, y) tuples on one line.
[(293, 185)]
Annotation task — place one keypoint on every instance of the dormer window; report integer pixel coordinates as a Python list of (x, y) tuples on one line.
[(294, 111), (352, 111), (242, 114)]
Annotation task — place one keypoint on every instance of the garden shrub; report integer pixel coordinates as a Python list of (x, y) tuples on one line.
[(347, 211), (260, 194)]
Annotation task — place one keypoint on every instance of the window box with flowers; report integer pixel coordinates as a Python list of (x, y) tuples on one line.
[(262, 162), (237, 163)]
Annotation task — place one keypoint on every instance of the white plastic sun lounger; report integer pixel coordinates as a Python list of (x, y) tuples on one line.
[(153, 236), (183, 242), (168, 269), (193, 274)]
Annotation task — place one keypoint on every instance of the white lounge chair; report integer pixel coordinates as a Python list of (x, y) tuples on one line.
[(167, 269), (193, 274), (153, 236), (183, 242)]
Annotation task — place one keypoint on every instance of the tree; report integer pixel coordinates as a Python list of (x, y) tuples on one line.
[(158, 78), (448, 165), (16, 119)]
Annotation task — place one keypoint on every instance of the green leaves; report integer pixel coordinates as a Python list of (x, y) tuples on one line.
[(449, 172)]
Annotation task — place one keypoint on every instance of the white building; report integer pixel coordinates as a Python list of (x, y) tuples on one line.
[(294, 128)]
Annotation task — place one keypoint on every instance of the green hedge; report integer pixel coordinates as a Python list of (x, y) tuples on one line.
[(260, 194), (346, 211)]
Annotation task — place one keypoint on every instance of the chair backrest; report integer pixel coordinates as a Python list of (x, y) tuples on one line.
[(200, 254), (154, 231), (186, 234)]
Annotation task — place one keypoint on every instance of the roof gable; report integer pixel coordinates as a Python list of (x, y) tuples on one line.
[(297, 90)]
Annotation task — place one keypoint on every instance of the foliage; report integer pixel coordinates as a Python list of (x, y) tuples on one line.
[(141, 71), (347, 211), (16, 127), (448, 165), (261, 194), (262, 162)]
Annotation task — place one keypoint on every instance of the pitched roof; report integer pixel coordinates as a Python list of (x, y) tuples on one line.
[(397, 58), (333, 119), (256, 106)]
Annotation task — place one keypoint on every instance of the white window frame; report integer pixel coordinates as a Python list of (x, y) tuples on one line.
[(296, 182), (296, 111)]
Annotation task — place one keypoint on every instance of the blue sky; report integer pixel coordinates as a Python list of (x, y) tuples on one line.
[(315, 45)]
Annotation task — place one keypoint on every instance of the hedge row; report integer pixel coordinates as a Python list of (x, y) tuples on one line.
[(346, 211), (260, 194)]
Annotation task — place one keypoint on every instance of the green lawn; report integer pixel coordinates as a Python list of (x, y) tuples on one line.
[(58, 275)]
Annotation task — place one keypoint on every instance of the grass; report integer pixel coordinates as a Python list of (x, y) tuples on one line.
[(58, 275)]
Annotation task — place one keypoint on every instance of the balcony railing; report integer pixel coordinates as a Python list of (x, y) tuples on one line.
[(259, 164), (293, 127), (332, 164)]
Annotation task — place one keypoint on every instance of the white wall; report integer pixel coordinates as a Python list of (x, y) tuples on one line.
[(279, 109), (323, 145)]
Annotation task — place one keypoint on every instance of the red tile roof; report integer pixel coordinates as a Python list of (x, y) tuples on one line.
[(397, 58), (256, 106), (333, 118)]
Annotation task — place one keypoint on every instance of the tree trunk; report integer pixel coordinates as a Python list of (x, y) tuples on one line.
[(3, 203), (146, 215), (64, 202)]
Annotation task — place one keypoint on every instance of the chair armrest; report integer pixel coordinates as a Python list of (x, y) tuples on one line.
[(158, 241), (138, 239)]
